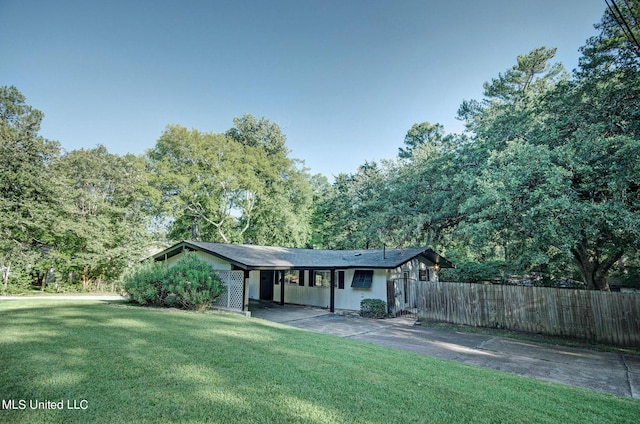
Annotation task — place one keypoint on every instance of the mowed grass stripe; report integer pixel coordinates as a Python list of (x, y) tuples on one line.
[(150, 365)]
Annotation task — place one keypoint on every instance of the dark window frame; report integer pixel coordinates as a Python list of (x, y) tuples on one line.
[(423, 274), (325, 273), (362, 279), (292, 272)]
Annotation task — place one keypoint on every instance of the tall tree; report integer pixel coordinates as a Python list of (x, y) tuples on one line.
[(358, 212), (418, 135), (103, 228), (235, 187), (594, 120), (28, 189), (206, 181), (508, 109), (575, 194), (626, 13), (428, 189), (283, 205)]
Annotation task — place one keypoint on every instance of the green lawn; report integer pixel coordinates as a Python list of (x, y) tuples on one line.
[(148, 365)]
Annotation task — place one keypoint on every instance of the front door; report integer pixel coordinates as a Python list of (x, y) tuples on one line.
[(266, 285)]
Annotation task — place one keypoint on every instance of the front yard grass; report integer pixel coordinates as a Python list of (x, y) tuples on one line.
[(152, 365)]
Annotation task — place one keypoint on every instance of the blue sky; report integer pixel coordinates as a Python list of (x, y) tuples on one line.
[(344, 79)]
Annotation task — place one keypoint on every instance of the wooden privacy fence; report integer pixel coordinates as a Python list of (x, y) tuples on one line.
[(607, 317)]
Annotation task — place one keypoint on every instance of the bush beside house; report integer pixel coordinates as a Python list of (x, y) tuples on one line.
[(190, 284), (373, 308)]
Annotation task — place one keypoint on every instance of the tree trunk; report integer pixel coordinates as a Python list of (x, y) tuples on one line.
[(222, 234), (593, 269), (5, 278), (85, 278), (195, 229), (47, 277)]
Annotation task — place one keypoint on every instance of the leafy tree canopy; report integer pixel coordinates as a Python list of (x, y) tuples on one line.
[(240, 186)]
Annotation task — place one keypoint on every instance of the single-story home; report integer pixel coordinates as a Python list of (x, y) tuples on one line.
[(325, 278)]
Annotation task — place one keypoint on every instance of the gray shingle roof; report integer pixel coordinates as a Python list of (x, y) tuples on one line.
[(248, 256)]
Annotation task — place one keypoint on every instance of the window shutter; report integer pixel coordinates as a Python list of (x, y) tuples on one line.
[(362, 279)]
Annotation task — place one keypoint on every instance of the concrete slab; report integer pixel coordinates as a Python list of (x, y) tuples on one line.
[(632, 363), (602, 371), (284, 314), (338, 325)]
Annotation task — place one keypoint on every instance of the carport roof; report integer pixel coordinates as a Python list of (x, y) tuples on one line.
[(247, 256)]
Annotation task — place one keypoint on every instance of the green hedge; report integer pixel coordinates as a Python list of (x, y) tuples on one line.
[(373, 308), (475, 272), (189, 284)]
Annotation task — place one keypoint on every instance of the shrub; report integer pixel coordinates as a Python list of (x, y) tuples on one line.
[(145, 283), (190, 284), (373, 308), (475, 272), (19, 281)]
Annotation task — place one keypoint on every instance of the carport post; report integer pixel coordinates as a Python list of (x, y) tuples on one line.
[(332, 291), (281, 281), (245, 291)]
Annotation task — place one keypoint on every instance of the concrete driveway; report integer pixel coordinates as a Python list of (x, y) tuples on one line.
[(606, 372)]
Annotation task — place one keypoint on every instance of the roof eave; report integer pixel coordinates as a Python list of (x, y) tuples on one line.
[(186, 245), (440, 261), (393, 263)]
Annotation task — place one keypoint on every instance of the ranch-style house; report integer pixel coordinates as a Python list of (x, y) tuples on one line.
[(333, 279)]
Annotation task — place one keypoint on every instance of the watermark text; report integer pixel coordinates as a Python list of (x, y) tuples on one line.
[(42, 404)]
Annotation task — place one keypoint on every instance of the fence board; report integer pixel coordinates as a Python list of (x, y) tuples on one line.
[(612, 318)]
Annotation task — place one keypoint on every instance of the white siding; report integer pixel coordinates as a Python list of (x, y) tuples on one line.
[(254, 285), (347, 298), (304, 295), (401, 300), (215, 262), (350, 298), (413, 267)]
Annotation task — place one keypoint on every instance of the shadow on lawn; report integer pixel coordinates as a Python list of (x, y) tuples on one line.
[(145, 365), (148, 365)]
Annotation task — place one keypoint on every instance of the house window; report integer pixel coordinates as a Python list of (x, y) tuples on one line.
[(292, 277), (322, 278), (424, 275), (340, 279), (362, 279)]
